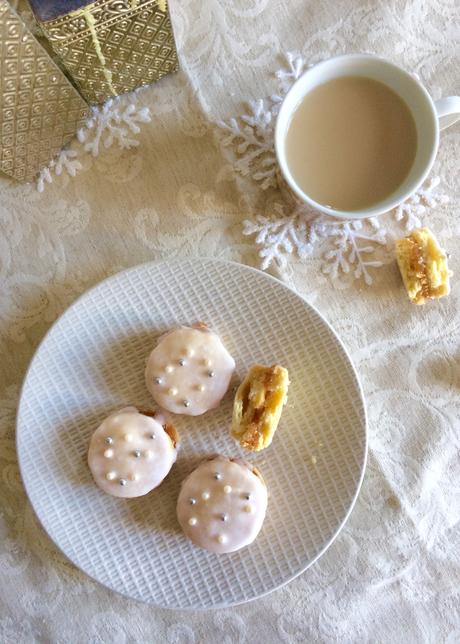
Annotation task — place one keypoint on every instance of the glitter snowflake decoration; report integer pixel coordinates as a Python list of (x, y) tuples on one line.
[(294, 67), (410, 213), (66, 161), (352, 241), (114, 123), (281, 234), (252, 135), (350, 245)]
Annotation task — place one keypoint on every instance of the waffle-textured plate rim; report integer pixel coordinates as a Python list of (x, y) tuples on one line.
[(279, 284)]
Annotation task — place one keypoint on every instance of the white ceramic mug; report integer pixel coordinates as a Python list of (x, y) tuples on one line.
[(430, 117)]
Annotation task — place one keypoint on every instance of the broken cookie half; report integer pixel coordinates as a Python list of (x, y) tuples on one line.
[(258, 405), (423, 266)]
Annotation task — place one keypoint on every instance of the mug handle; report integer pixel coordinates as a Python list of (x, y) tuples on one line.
[(448, 110)]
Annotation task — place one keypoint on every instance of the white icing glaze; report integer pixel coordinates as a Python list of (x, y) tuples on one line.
[(189, 389), (222, 523), (141, 473)]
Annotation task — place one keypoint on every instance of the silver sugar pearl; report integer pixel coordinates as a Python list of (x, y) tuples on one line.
[(123, 482), (247, 497), (182, 362), (109, 440), (223, 517), (211, 374), (217, 476), (192, 501), (152, 436), (157, 380), (186, 403), (137, 453)]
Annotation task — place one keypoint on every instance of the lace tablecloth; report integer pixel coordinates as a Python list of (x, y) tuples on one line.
[(394, 572)]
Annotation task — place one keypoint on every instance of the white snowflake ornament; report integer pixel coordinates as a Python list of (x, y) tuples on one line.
[(348, 252), (294, 68), (66, 161), (112, 123), (301, 231), (252, 136), (117, 122), (281, 235), (411, 211)]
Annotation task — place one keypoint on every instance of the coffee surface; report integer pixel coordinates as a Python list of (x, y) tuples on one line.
[(351, 143)]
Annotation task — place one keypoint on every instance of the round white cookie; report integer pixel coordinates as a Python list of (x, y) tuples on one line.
[(189, 371), (222, 504), (130, 453)]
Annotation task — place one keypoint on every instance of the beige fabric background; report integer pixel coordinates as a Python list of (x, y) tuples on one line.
[(394, 573)]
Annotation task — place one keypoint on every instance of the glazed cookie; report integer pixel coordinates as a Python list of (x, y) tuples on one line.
[(189, 371), (131, 452), (222, 504)]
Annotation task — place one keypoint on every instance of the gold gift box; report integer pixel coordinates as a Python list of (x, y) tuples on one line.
[(110, 47), (40, 110)]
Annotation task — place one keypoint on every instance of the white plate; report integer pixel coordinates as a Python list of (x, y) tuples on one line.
[(92, 362)]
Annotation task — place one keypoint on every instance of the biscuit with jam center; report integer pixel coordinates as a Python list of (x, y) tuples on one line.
[(258, 405), (423, 266)]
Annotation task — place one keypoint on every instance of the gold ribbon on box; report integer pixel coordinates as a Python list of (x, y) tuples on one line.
[(40, 110), (113, 46)]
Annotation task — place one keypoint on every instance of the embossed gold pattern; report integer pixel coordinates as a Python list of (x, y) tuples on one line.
[(113, 46), (40, 111)]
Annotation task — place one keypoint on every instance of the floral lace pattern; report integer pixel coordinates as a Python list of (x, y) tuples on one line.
[(393, 574)]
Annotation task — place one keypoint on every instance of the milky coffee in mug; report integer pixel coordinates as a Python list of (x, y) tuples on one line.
[(351, 142), (356, 135)]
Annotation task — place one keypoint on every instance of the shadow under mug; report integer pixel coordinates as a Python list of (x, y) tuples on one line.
[(430, 117)]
